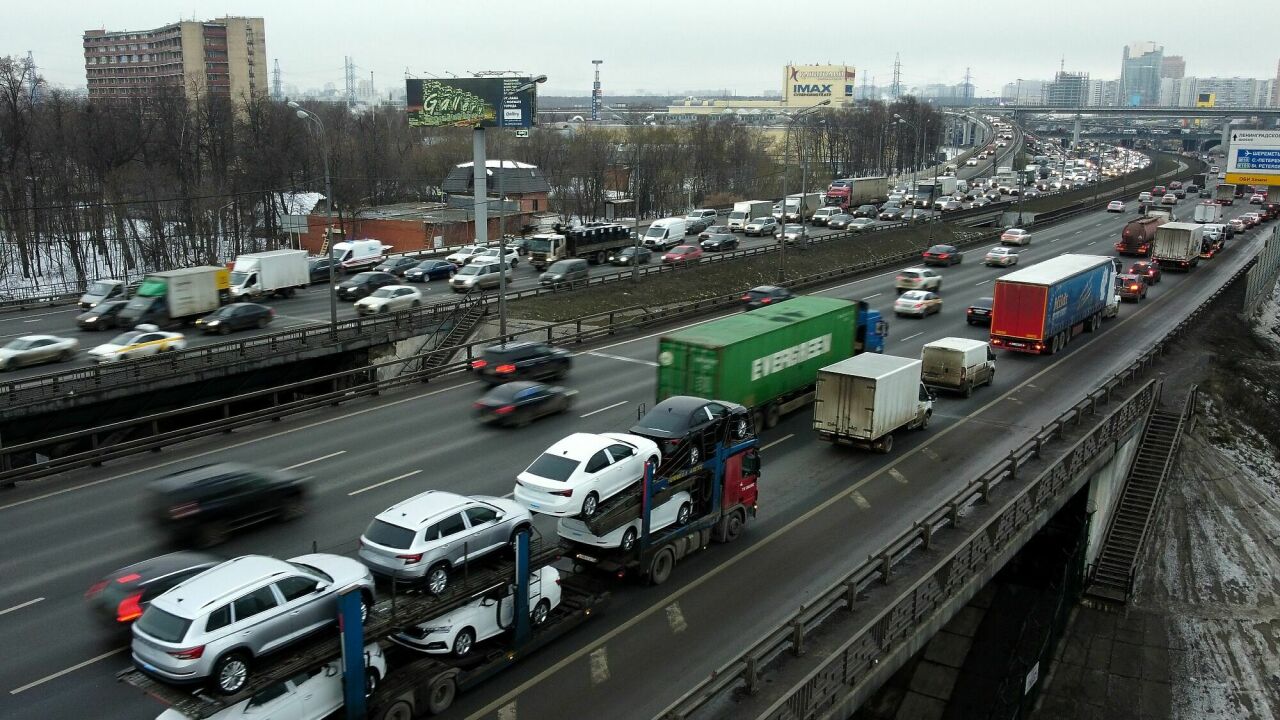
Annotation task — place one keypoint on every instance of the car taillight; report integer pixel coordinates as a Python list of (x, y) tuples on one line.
[(126, 579), (944, 255), (997, 341), (95, 588), (506, 410), (508, 368), (477, 364), (746, 298), (177, 512), (561, 493), (410, 558), (189, 654), (1133, 287), (918, 305), (130, 609)]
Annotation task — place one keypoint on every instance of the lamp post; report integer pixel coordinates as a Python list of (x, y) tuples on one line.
[(782, 235), (328, 197), (502, 222), (635, 197), (915, 160)]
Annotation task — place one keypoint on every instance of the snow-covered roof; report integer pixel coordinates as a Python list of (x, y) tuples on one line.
[(500, 163), (300, 203)]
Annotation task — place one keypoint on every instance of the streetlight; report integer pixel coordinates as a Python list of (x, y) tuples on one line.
[(635, 196), (502, 222), (782, 236), (915, 161), (328, 196)]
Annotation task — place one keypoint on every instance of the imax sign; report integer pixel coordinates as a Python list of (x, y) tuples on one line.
[(810, 89)]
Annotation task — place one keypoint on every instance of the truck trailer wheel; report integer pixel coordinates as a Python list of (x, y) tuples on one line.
[(661, 566), (441, 694), (771, 416), (399, 710)]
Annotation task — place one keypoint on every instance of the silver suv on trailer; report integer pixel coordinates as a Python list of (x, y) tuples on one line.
[(216, 624)]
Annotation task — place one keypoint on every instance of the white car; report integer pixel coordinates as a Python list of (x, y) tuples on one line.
[(458, 631), (1115, 206), (971, 162), (390, 298), (491, 254), (1015, 236), (464, 254), (308, 695), (675, 511), (583, 470), (1001, 256), (918, 303), (36, 349), (142, 341)]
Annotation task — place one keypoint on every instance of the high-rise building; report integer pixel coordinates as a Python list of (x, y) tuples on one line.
[(226, 56), (1233, 91), (1140, 70), (1103, 92), (1024, 92), (1173, 66), (1275, 89), (1067, 90)]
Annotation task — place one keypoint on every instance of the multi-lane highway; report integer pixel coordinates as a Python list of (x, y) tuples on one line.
[(819, 504)]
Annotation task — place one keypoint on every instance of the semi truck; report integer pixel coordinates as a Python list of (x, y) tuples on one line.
[(863, 400), (1177, 245), (175, 297), (1040, 308), (767, 359), (746, 211), (1208, 212), (1224, 194), (593, 241), (275, 272), (848, 193), (800, 207), (1138, 235)]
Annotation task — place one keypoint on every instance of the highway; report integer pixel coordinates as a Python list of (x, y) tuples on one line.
[(818, 503)]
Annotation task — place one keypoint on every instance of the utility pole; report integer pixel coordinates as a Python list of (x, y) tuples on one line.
[(502, 216), (277, 90)]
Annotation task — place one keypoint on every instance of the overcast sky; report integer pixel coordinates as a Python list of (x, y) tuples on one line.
[(679, 46)]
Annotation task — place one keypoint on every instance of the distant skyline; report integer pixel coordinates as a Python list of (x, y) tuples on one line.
[(672, 48)]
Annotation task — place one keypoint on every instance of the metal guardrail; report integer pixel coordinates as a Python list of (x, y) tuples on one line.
[(858, 656)]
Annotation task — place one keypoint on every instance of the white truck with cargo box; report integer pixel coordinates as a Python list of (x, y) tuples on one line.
[(959, 364), (746, 211), (1208, 212), (1177, 245), (275, 272), (861, 401)]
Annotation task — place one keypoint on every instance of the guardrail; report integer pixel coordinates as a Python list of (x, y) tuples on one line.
[(858, 656)]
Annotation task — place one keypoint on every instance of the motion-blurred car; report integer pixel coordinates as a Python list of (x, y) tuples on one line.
[(103, 316), (1252, 219), (236, 316), (942, 255), (205, 504), (119, 598), (628, 256), (431, 270), (765, 295), (389, 298), (891, 213), (1001, 257), (841, 221), (1131, 287), (682, 254), (1237, 225), (860, 224), (714, 230), (918, 278), (142, 341), (865, 211), (490, 256), (397, 266), (720, 242), (1147, 269), (823, 214), (979, 313), (36, 350), (917, 303), (522, 402), (1168, 200), (103, 290), (521, 360), (791, 233), (464, 254), (362, 285), (577, 473), (318, 269), (1257, 198), (1115, 206)]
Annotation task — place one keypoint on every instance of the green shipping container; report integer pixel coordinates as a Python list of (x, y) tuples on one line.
[(754, 357)]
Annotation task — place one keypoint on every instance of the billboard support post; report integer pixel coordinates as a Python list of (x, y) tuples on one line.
[(480, 193)]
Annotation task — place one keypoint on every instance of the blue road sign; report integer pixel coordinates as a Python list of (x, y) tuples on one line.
[(1257, 159)]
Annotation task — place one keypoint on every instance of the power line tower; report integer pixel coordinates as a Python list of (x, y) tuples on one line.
[(350, 67), (33, 78), (968, 86), (277, 89), (597, 98), (896, 88)]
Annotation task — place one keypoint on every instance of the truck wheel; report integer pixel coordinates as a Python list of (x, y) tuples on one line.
[(757, 420), (600, 258), (733, 526), (968, 390), (661, 567), (401, 710), (771, 414), (924, 422), (441, 694), (224, 330), (885, 446)]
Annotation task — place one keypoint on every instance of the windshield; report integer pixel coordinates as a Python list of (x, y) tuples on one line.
[(152, 287), (655, 231), (553, 467), (737, 215), (124, 338), (19, 344), (163, 626), (99, 288), (470, 270), (538, 244), (762, 221), (238, 277), (383, 293), (913, 295)]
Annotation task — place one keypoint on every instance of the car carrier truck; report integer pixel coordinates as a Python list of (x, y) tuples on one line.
[(1040, 308)]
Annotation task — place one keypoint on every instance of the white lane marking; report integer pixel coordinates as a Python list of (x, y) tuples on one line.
[(932, 455), (384, 482), (910, 336), (508, 711), (859, 500), (898, 476), (30, 321), (23, 316), (855, 282), (784, 438), (71, 669), (637, 361), (314, 460), (606, 407), (599, 665), (19, 606), (675, 618), (872, 296), (1054, 240), (984, 282)]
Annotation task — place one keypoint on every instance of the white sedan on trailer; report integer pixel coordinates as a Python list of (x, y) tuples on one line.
[(583, 470), (675, 511)]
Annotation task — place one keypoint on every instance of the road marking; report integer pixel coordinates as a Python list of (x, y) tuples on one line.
[(859, 500), (599, 665), (606, 407), (30, 321), (637, 361), (675, 618), (910, 336), (508, 711), (932, 455), (1054, 240), (870, 296), (898, 476), (22, 317), (781, 439), (384, 482), (984, 282), (71, 669), (19, 606), (314, 460)]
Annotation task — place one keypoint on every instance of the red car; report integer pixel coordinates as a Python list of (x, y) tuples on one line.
[(1147, 269), (1158, 191), (682, 254)]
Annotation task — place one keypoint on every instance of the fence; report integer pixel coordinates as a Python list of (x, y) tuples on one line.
[(1262, 276)]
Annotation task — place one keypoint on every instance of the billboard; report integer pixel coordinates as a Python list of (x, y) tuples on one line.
[(471, 102), (806, 85), (1206, 100), (1253, 157)]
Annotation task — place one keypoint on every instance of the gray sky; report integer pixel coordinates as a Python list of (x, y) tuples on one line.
[(677, 46)]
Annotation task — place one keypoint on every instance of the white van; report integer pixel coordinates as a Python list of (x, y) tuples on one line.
[(957, 364), (358, 254), (665, 233)]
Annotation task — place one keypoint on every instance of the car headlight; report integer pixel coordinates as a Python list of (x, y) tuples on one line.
[(211, 323), (437, 629), (91, 319)]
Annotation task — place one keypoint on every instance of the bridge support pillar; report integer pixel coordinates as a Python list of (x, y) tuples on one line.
[(1225, 147), (1075, 133)]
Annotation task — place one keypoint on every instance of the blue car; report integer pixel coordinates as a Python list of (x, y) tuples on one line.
[(430, 270)]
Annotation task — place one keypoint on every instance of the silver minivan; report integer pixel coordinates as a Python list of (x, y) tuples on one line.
[(478, 276)]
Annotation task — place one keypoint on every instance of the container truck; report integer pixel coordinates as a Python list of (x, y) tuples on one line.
[(1224, 194), (175, 297), (1040, 308), (276, 272), (863, 400), (1177, 245), (800, 207), (1208, 212), (959, 364), (593, 241), (849, 193), (1138, 235), (767, 359), (745, 212), (1200, 180)]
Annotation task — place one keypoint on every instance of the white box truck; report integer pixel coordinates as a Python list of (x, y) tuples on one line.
[(276, 272), (861, 401), (746, 211), (1177, 245), (800, 206), (959, 364), (1208, 212)]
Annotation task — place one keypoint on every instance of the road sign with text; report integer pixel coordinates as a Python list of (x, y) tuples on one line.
[(1253, 157)]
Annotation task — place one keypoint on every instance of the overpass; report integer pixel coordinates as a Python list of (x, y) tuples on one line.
[(1143, 111)]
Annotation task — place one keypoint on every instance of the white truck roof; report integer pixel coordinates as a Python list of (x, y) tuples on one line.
[(1055, 269), (1179, 226), (955, 343), (870, 365)]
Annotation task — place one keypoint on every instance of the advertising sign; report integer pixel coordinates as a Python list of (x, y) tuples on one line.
[(471, 102), (811, 84), (1253, 157)]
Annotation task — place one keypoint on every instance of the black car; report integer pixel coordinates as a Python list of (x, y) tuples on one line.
[(713, 230), (398, 266), (430, 270), (765, 295), (942, 255), (205, 504), (720, 242), (319, 269), (841, 221), (363, 284), (867, 211), (979, 313), (624, 256), (105, 315), (521, 361), (120, 598), (236, 316), (891, 212), (693, 227), (679, 417), (522, 402)]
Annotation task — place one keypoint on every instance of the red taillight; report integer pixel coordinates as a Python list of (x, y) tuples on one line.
[(130, 609), (411, 558), (477, 364), (766, 300), (508, 368), (561, 493), (506, 410), (190, 654), (746, 298), (125, 579), (944, 256), (997, 341), (918, 305), (95, 588), (177, 512)]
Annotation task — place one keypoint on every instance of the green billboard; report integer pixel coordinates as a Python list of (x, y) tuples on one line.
[(471, 102)]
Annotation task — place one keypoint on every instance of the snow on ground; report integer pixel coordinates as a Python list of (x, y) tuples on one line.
[(1266, 324)]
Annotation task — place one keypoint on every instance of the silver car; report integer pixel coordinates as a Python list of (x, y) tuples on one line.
[(428, 535), (215, 625), (478, 276), (35, 350)]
